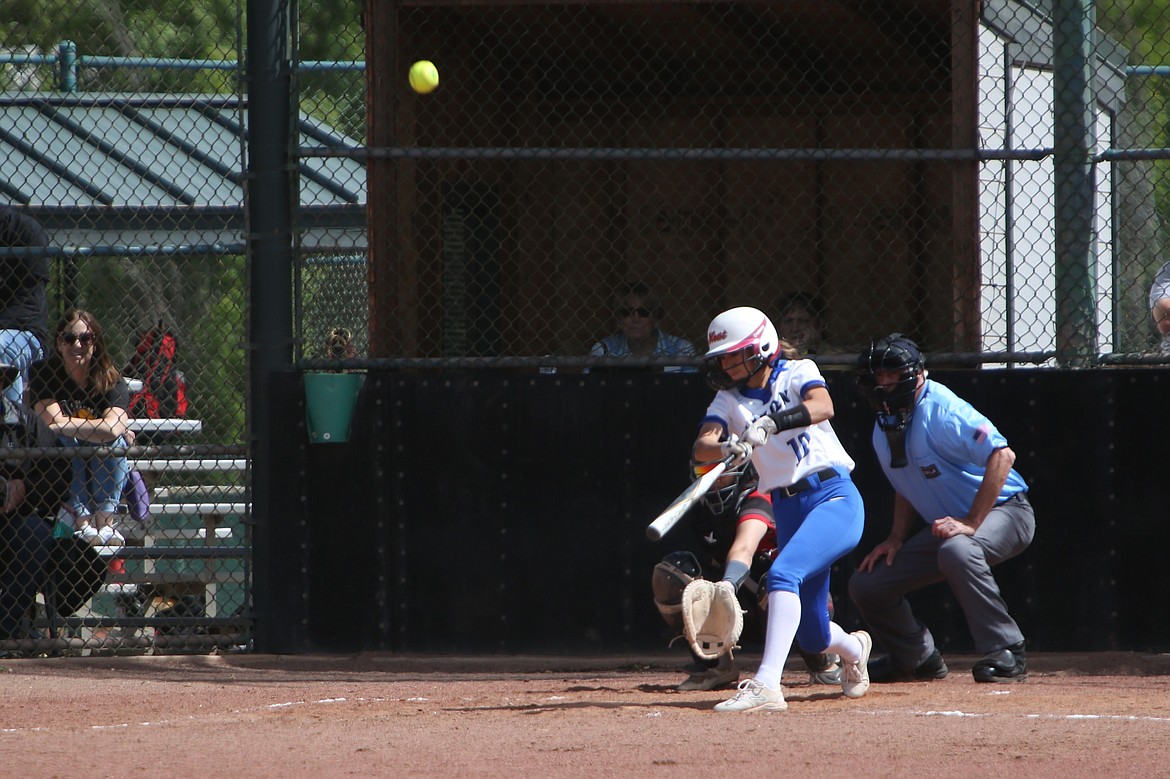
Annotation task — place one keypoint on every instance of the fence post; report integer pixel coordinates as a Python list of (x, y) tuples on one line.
[(1074, 177), (270, 200), (67, 66)]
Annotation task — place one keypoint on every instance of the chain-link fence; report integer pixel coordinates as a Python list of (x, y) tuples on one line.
[(588, 180), (948, 170), (123, 140)]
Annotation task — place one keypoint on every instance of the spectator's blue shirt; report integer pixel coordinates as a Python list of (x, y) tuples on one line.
[(948, 443), (667, 346)]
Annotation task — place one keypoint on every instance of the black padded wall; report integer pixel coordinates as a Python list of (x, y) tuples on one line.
[(494, 511)]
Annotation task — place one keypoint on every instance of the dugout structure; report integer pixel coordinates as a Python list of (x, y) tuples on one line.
[(933, 153)]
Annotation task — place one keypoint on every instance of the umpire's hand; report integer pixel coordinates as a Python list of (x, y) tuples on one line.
[(887, 549)]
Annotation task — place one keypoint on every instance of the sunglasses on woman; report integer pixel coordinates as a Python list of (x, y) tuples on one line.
[(72, 338)]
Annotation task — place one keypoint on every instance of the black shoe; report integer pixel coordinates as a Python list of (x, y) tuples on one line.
[(1009, 664), (883, 670)]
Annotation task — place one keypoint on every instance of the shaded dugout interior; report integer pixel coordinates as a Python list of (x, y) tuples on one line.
[(495, 511)]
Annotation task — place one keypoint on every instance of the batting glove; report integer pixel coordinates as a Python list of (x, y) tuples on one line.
[(758, 432), (740, 450)]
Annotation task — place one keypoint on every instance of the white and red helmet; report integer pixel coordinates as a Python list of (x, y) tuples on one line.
[(743, 330)]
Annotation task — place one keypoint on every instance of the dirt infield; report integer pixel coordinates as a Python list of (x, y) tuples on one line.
[(376, 715)]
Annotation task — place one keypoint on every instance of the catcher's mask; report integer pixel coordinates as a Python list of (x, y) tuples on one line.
[(730, 489), (892, 403)]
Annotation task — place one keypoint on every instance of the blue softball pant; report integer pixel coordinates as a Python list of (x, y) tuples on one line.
[(814, 529)]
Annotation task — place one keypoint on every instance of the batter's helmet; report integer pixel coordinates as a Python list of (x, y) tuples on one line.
[(893, 403), (744, 331)]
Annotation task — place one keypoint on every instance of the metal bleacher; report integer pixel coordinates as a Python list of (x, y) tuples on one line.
[(182, 585)]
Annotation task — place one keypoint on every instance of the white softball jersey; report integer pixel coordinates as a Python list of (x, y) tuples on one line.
[(789, 455)]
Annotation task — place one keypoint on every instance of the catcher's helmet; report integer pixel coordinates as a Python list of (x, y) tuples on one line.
[(893, 403), (736, 483), (744, 331)]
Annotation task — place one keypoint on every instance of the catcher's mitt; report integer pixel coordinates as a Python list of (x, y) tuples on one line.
[(712, 618)]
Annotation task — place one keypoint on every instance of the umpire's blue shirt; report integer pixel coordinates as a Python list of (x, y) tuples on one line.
[(947, 446)]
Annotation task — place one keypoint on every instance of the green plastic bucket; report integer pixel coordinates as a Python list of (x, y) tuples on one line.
[(329, 402)]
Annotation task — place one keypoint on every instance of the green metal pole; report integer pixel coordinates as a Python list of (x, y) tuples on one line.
[(269, 205), (1075, 181), (67, 66)]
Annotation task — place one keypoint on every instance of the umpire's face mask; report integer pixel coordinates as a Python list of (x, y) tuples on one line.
[(894, 397)]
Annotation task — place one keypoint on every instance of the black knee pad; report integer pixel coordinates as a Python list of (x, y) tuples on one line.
[(670, 578)]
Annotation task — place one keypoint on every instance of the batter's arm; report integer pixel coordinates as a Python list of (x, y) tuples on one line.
[(819, 403), (706, 448), (816, 405)]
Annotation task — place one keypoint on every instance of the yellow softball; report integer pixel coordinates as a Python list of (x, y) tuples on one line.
[(424, 76)]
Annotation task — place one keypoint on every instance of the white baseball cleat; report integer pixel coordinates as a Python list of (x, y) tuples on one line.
[(753, 696), (855, 679)]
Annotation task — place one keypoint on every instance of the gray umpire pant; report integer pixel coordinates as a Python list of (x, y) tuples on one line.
[(965, 563)]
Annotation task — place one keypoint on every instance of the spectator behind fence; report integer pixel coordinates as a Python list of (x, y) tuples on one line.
[(30, 492), (801, 323), (83, 398), (1160, 305), (24, 311), (638, 311)]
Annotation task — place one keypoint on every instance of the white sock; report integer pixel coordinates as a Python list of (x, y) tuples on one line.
[(845, 644), (783, 619)]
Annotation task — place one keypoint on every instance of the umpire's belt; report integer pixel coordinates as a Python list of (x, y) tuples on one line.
[(809, 482)]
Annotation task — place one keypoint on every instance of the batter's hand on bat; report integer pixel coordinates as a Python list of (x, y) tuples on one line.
[(758, 432), (886, 549), (741, 451)]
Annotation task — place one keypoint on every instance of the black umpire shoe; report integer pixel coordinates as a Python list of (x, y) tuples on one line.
[(1009, 664), (883, 670)]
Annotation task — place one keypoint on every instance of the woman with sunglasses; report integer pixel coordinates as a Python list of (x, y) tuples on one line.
[(638, 310), (83, 398)]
